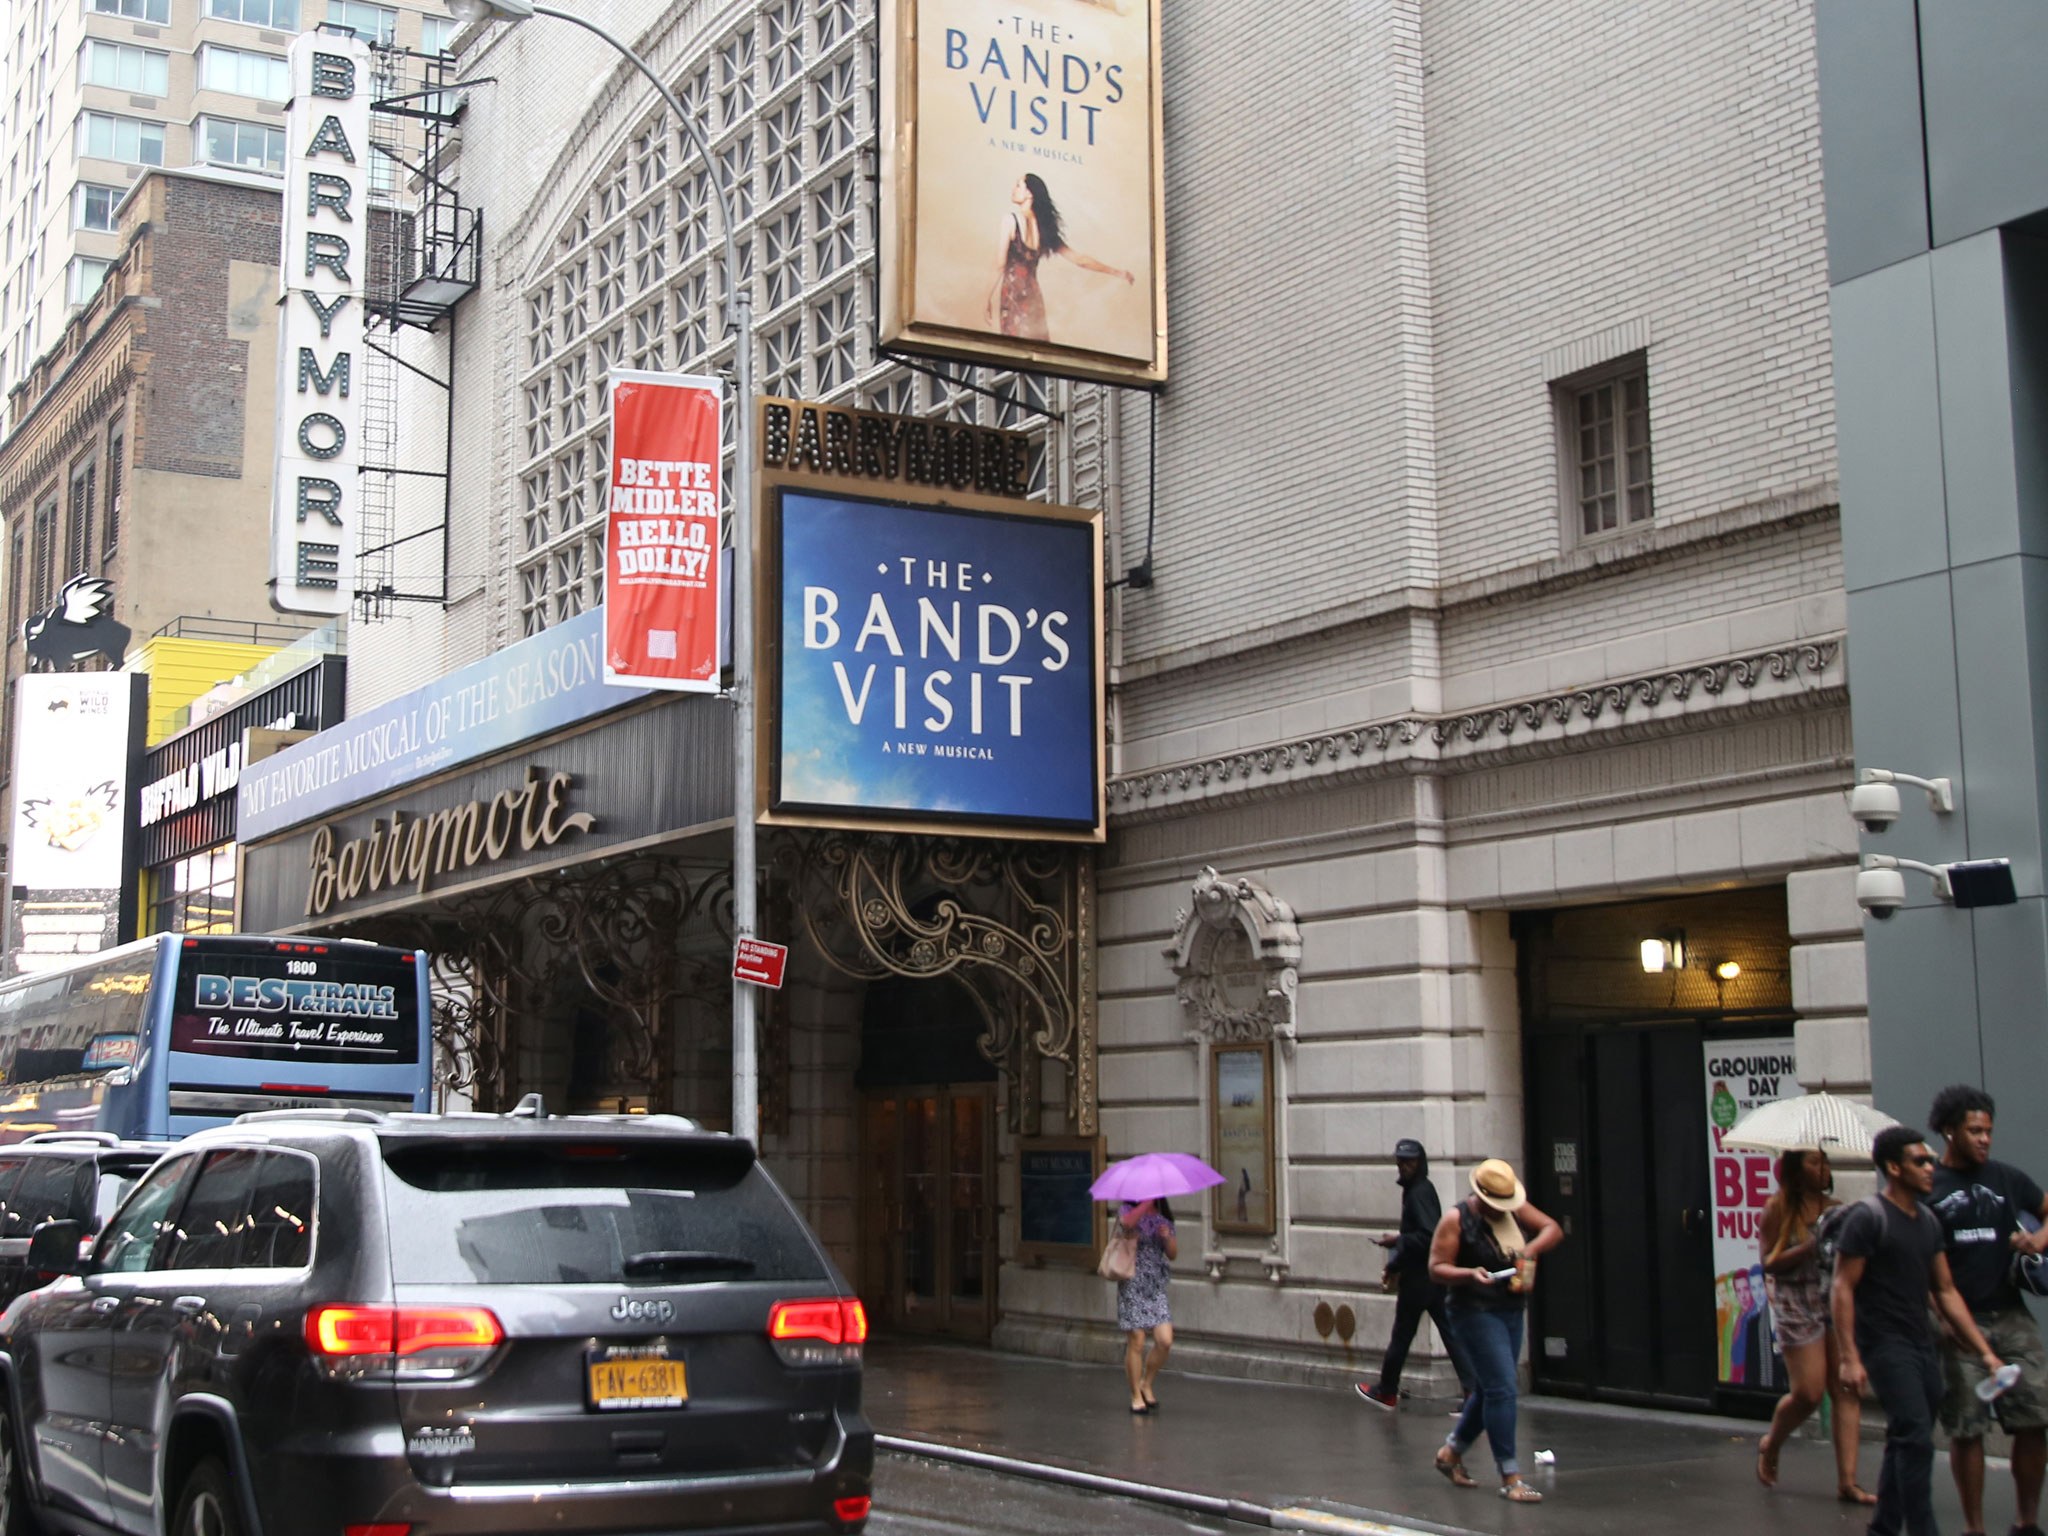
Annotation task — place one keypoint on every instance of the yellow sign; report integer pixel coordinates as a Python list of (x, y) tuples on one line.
[(1022, 219)]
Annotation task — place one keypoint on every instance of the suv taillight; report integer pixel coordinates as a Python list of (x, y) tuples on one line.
[(827, 1331), (436, 1343)]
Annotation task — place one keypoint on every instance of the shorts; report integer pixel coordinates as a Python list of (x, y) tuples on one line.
[(2013, 1337), (1799, 1308)]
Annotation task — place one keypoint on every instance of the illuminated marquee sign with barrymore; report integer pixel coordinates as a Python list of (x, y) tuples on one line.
[(931, 656), (326, 250)]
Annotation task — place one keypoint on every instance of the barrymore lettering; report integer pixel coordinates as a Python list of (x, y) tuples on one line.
[(414, 850)]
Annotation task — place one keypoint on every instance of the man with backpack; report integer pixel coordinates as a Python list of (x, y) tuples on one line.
[(1980, 1204), (1890, 1260)]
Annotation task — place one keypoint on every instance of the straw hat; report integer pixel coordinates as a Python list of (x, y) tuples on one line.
[(1494, 1182)]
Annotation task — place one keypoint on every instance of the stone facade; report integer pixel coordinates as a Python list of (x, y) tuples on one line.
[(1382, 670)]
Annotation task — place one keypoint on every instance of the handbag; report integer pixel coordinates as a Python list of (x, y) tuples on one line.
[(1119, 1259)]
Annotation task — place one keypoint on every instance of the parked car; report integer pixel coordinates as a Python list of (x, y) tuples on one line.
[(76, 1176), (340, 1323)]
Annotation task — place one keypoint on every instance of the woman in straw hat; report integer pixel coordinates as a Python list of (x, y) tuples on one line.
[(1485, 1252)]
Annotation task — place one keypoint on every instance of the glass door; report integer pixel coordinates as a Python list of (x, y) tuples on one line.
[(928, 1210)]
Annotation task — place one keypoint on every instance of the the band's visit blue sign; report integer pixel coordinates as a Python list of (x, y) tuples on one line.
[(936, 664)]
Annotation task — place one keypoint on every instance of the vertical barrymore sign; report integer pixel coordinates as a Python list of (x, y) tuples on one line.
[(314, 525), (1022, 214)]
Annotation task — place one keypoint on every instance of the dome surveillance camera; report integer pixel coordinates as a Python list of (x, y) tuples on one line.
[(1874, 807), (1880, 892)]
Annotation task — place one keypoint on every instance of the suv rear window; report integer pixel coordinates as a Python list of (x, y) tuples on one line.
[(575, 1215)]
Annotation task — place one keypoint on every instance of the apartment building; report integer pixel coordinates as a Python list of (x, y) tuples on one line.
[(97, 91)]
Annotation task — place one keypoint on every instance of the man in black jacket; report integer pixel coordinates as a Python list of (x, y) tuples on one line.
[(1408, 1268)]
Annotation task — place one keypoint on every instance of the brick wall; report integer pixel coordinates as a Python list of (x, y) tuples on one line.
[(196, 382)]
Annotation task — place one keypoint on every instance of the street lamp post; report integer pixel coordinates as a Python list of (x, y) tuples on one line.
[(740, 316)]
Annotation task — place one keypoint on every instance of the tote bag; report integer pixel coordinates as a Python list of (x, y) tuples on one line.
[(1119, 1259)]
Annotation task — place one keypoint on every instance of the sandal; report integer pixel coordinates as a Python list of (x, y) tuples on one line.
[(1767, 1463), (1516, 1491), (1849, 1493), (1452, 1466)]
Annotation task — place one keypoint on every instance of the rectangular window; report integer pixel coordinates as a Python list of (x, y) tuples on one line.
[(437, 34), (79, 519), (243, 73), (117, 463), (127, 69), (282, 15), (17, 557), (254, 146), (373, 23), (157, 11), (1606, 430), (87, 273), (128, 139), (42, 559), (95, 207)]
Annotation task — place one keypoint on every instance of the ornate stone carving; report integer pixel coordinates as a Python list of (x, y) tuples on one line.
[(1235, 952), (1392, 744)]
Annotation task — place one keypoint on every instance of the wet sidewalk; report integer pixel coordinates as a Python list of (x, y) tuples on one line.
[(1617, 1470)]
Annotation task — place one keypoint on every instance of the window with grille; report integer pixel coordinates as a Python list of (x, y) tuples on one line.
[(281, 15), (117, 463), (1605, 428), (637, 277), (223, 141), (42, 558), (94, 208), (127, 69), (372, 23), (242, 73), (17, 577), (157, 11), (78, 520), (105, 136)]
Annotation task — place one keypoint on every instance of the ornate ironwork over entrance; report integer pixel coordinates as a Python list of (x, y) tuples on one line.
[(1012, 923)]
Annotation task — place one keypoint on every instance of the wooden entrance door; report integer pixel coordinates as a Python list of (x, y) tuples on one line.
[(928, 1261)]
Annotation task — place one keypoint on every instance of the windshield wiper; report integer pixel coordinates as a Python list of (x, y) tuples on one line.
[(681, 1261)]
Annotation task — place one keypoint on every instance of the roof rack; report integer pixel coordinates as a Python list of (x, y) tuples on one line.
[(95, 1138), (346, 1116)]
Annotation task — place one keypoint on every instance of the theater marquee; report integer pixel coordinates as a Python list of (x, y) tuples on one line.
[(930, 654), (1022, 215)]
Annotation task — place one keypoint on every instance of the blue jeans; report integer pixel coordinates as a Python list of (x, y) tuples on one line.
[(1492, 1341)]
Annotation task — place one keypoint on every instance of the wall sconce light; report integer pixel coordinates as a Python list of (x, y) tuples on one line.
[(1666, 952), (1727, 970)]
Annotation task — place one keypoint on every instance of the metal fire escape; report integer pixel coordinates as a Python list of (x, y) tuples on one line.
[(426, 255)]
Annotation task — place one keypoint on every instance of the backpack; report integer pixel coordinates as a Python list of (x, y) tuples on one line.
[(1827, 1234)]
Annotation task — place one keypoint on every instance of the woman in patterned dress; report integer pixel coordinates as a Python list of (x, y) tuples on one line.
[(1141, 1304), (1031, 232)]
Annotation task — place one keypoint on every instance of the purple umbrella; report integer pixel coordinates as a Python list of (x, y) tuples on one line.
[(1152, 1174)]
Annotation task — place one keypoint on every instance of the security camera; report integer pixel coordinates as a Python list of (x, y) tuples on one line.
[(1880, 892), (1874, 806)]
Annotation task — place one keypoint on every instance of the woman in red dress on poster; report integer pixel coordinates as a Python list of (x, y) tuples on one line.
[(1032, 232)]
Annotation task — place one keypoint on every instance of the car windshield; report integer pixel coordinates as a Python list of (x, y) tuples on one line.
[(589, 1215)]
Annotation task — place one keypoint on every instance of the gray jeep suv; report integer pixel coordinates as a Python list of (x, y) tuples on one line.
[(338, 1323)]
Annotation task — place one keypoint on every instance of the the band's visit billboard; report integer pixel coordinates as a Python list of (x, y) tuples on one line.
[(1022, 214), (931, 655)]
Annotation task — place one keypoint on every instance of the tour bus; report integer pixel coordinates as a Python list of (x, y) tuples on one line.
[(174, 1033)]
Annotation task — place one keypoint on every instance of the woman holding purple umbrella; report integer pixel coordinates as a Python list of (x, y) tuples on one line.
[(1143, 1185), (1141, 1301)]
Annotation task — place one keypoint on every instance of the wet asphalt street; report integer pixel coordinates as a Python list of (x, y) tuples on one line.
[(1618, 1471), (914, 1497)]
